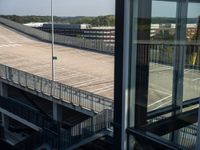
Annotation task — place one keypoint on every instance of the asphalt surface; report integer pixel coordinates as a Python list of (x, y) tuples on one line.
[(83, 69)]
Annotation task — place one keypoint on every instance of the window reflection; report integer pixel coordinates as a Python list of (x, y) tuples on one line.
[(168, 71)]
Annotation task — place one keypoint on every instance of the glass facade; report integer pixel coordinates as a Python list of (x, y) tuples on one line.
[(163, 74)]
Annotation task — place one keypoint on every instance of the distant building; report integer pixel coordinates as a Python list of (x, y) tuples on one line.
[(157, 28), (35, 24), (67, 26), (191, 31), (106, 34)]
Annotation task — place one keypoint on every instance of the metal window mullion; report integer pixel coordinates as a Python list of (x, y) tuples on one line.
[(180, 53), (179, 60)]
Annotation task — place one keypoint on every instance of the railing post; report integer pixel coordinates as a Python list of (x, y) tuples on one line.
[(18, 77), (52, 82), (34, 80), (92, 103), (93, 124), (60, 92), (41, 86), (79, 97), (25, 79)]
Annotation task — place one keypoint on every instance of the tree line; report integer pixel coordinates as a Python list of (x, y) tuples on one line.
[(108, 20)]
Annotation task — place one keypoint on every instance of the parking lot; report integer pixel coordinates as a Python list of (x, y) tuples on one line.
[(90, 71)]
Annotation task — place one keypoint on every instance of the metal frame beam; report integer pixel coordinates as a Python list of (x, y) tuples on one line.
[(119, 49), (150, 139), (142, 62), (19, 119), (171, 124)]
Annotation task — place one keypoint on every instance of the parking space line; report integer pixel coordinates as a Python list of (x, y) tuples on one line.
[(196, 79), (100, 89), (160, 100)]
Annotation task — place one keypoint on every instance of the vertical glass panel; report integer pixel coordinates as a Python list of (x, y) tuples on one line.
[(161, 54), (168, 67), (192, 60)]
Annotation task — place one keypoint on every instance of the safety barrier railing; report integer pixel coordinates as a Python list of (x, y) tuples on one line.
[(99, 123), (59, 91), (26, 112), (163, 61), (78, 42), (165, 52), (57, 138)]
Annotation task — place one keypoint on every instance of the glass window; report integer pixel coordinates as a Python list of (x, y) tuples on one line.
[(166, 38)]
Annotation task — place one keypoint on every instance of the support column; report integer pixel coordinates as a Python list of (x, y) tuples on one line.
[(142, 62), (198, 132), (57, 112), (3, 89), (4, 93), (179, 59), (180, 52), (57, 116), (133, 22), (5, 120)]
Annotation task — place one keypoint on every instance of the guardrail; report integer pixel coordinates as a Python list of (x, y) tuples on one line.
[(83, 43), (56, 90), (56, 138), (99, 123), (66, 138), (164, 52), (26, 112)]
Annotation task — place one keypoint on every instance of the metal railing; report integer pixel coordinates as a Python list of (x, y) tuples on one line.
[(59, 91), (164, 52), (26, 112), (56, 137), (78, 42), (163, 60), (99, 123)]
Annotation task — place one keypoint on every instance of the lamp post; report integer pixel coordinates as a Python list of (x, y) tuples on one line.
[(56, 109), (52, 34)]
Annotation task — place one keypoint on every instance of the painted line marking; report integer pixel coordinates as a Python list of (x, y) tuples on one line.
[(6, 39), (161, 91), (196, 79), (160, 100), (10, 45)]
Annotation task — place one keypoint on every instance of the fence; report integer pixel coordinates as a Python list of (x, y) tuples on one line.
[(68, 137), (51, 134), (57, 90), (99, 123), (165, 53), (94, 45), (26, 112)]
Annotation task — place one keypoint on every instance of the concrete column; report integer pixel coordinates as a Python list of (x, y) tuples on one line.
[(57, 112), (4, 93), (57, 116), (3, 90), (5, 120)]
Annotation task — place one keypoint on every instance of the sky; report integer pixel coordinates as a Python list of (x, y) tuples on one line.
[(85, 8), (168, 9), (61, 7)]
